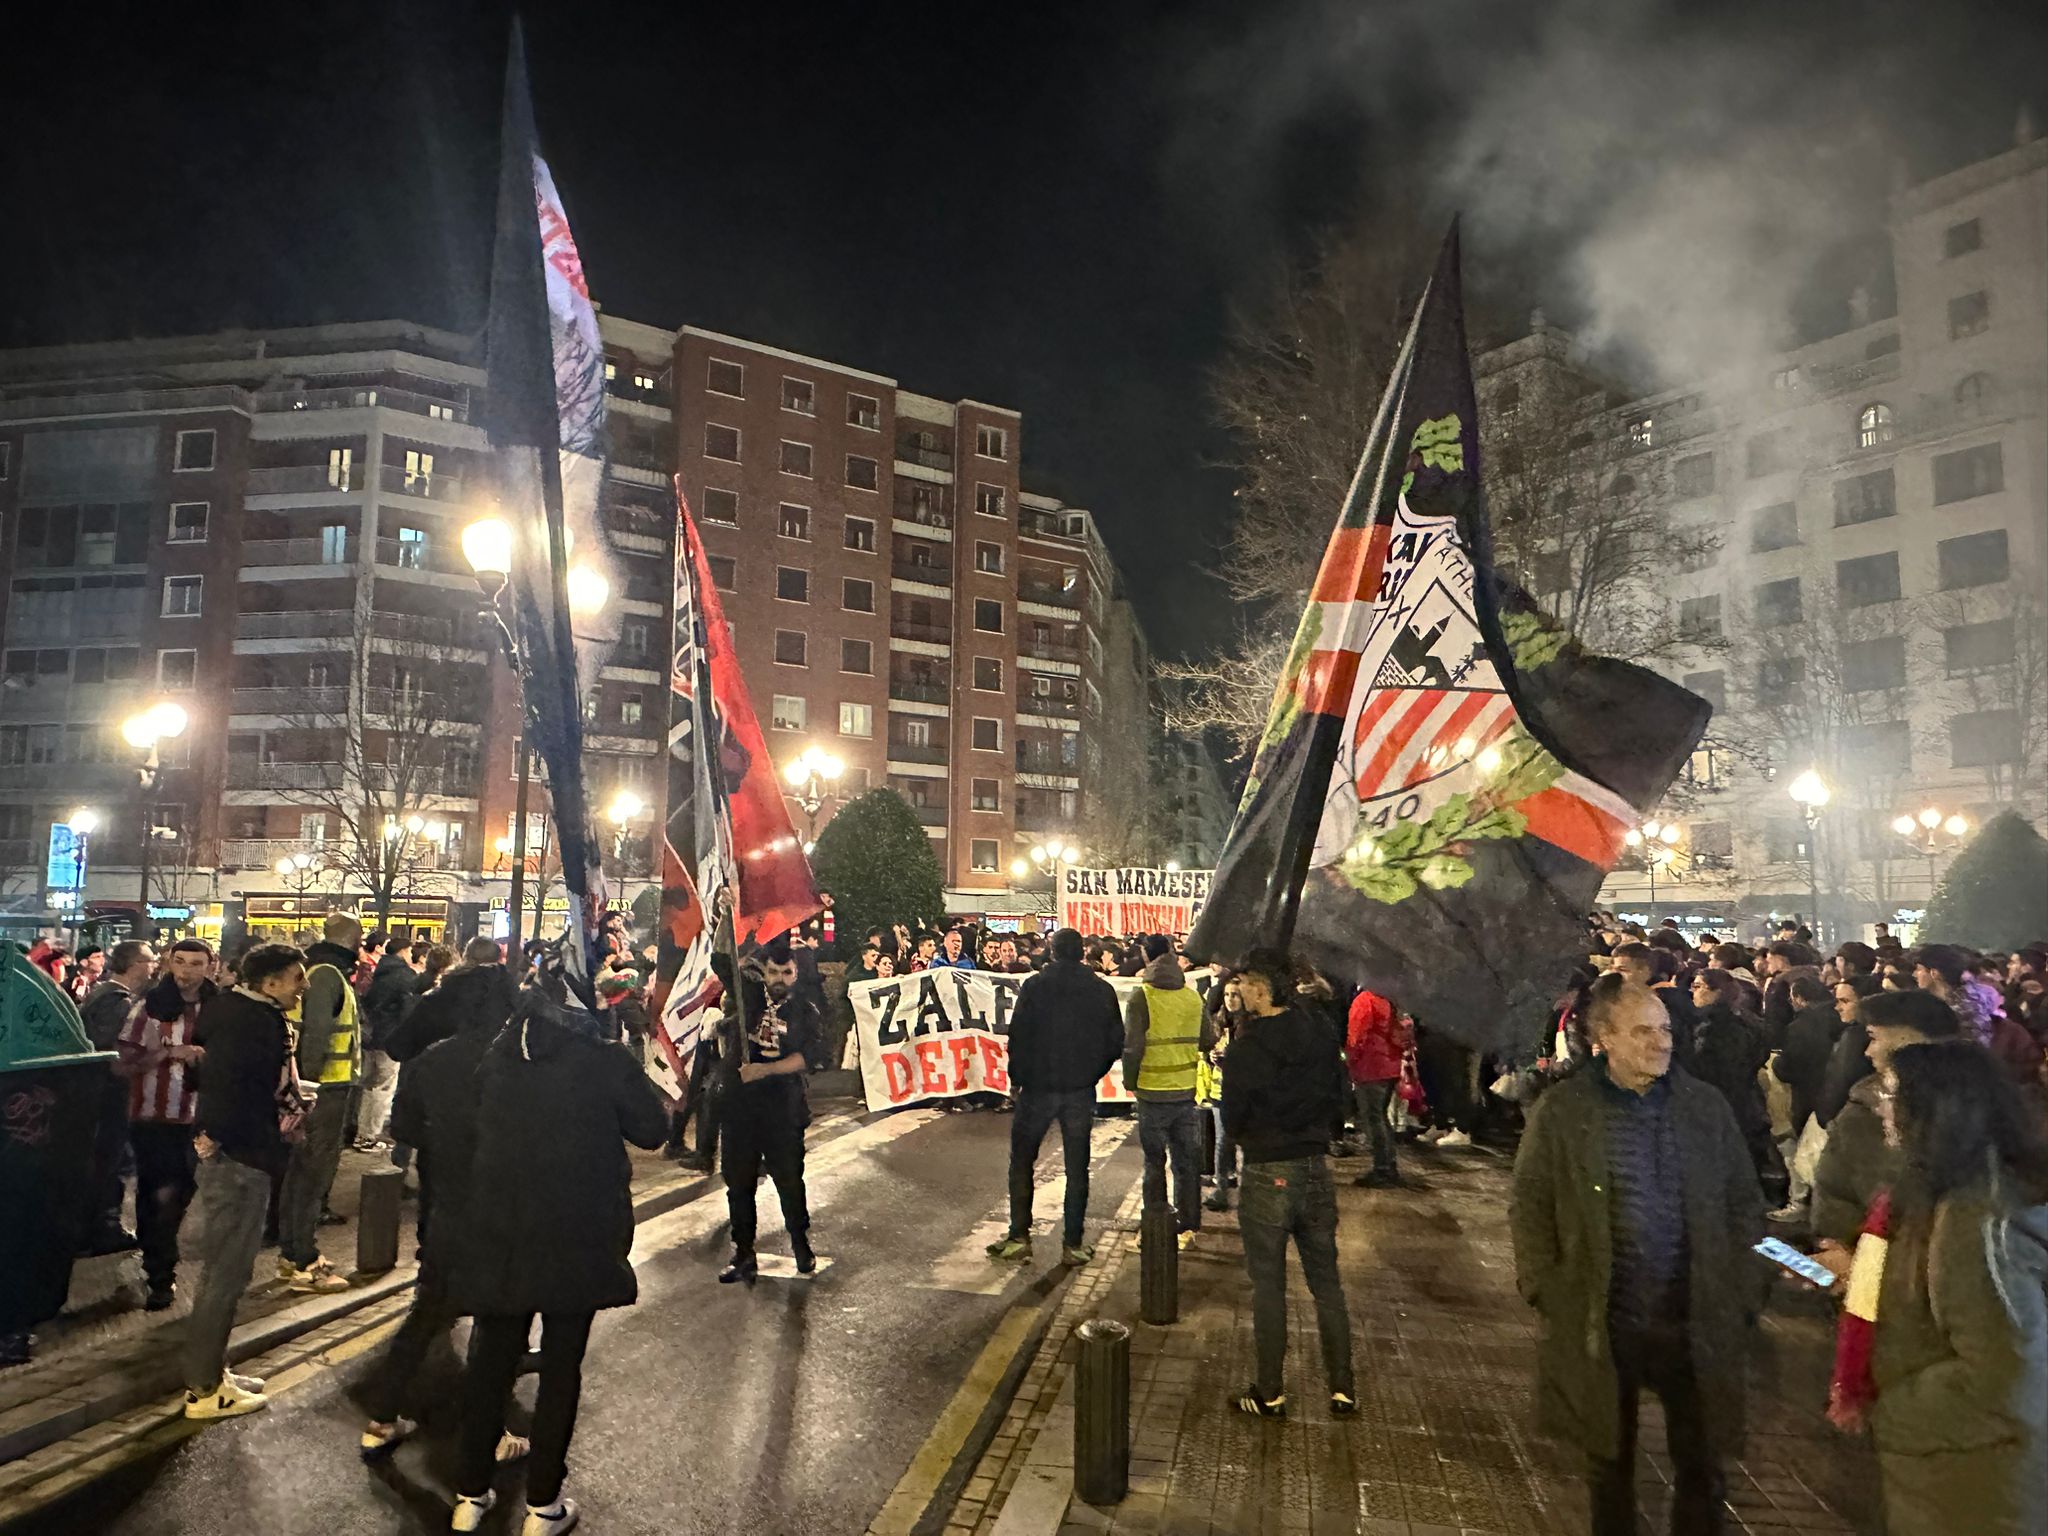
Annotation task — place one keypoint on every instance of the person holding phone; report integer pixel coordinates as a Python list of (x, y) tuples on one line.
[(1634, 1198)]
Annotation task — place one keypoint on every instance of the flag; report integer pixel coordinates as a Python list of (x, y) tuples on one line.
[(1444, 778), (545, 418), (729, 846)]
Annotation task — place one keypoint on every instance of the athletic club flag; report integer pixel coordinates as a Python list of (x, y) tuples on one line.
[(1444, 778)]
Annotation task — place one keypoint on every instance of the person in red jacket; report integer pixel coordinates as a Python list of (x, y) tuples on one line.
[(1377, 1038)]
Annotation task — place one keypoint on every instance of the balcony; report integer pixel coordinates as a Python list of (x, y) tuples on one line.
[(110, 617), (339, 552), (289, 701), (330, 778), (929, 815), (319, 623), (918, 693), (428, 628), (75, 779), (361, 398), (916, 752), (1031, 760), (931, 575), (924, 458), (910, 517), (1042, 704), (1048, 650), (306, 480), (422, 555), (930, 634), (127, 402), (634, 474), (254, 773), (397, 480), (1052, 596), (1044, 525)]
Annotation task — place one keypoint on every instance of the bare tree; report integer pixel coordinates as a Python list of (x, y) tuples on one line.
[(1991, 650)]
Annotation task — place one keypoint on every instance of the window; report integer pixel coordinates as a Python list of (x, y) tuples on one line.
[(1865, 498), (1768, 454), (857, 657), (1961, 239), (1984, 739), (988, 674), (1642, 432), (791, 648), (991, 442), (334, 543), (1868, 665), (1699, 618), (1975, 560), (988, 735), (724, 573), (1873, 425), (194, 451), (721, 506), (988, 558), (1880, 749), (1969, 315), (1972, 647), (863, 473), (857, 720), (6, 460), (988, 616), (792, 585), (987, 795), (856, 595), (796, 459), (1968, 472), (643, 379), (636, 637), (188, 522), (917, 732), (419, 472), (412, 548), (631, 708), (860, 534), (787, 713), (341, 469), (177, 669), (95, 535), (982, 854), (1777, 603), (1693, 475), (794, 522), (721, 442), (1713, 842), (1785, 378), (1711, 686), (1973, 389), (183, 596), (1774, 527), (799, 396), (864, 411), (1778, 679), (1868, 579), (988, 500), (1785, 840), (611, 371), (724, 378)]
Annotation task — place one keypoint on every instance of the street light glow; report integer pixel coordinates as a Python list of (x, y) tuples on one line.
[(1173, 866), (1904, 826), (284, 867), (625, 806), (1633, 837), (588, 590), (84, 820), (1019, 868), (1669, 836), (1810, 790), (487, 546), (1930, 818), (1955, 826)]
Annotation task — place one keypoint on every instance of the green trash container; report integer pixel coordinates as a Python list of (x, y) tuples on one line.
[(51, 1086)]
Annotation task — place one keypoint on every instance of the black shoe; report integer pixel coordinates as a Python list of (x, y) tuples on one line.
[(1379, 1178), (806, 1260), (695, 1162), (1216, 1202), (330, 1219), (114, 1239), (17, 1348), (160, 1297), (743, 1269)]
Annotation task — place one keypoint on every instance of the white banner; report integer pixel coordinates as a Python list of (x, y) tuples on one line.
[(943, 1033), (1122, 903)]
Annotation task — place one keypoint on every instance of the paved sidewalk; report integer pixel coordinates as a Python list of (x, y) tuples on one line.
[(1442, 1444)]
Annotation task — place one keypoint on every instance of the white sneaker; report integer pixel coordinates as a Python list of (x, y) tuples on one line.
[(319, 1278), (246, 1383), (550, 1522), (469, 1512), (1454, 1139), (1432, 1136), (226, 1401)]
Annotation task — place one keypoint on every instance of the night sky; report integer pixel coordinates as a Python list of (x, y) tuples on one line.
[(1051, 206)]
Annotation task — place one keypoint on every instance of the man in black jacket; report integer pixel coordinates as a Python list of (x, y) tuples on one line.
[(1802, 1067), (766, 1111), (104, 1011), (1285, 1083), (1065, 1033)]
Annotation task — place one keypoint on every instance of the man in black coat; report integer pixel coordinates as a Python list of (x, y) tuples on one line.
[(1802, 1067), (547, 1227), (764, 1115), (1065, 1033)]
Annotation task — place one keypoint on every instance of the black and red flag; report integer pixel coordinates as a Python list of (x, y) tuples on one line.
[(1444, 778)]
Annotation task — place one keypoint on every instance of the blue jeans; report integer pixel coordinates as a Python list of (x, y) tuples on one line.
[(1277, 1201), (1226, 1149), (1173, 1129), (1034, 1112)]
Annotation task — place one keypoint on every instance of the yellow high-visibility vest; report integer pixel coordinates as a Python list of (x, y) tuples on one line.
[(1173, 1041), (342, 1061)]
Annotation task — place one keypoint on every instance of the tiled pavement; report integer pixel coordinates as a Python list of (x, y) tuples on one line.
[(1442, 1445)]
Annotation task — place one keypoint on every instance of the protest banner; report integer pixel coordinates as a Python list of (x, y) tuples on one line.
[(1120, 902), (943, 1033)]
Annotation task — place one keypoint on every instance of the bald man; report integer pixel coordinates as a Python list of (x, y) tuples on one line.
[(1634, 1204)]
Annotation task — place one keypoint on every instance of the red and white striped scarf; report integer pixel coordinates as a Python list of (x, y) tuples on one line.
[(1854, 1389)]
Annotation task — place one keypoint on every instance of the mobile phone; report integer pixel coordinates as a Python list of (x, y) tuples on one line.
[(1786, 1256)]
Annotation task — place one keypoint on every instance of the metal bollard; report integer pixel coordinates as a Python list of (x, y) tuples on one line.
[(1158, 1266), (1102, 1412), (377, 1221)]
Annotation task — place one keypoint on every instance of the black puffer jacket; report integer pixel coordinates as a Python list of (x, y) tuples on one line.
[(467, 997), (1284, 1084), (1065, 1031), (1728, 1052), (435, 1112), (548, 1221)]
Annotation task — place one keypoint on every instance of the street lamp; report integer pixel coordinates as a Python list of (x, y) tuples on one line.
[(1657, 842), (1052, 856), (162, 721), (1923, 834), (1811, 792), (83, 821), (624, 809), (813, 776), (301, 869), (487, 546)]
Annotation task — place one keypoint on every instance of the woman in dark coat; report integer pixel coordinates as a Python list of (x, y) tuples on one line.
[(1729, 1051), (547, 1229)]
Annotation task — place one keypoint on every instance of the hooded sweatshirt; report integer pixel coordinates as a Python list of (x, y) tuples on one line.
[(1285, 1085), (1164, 975)]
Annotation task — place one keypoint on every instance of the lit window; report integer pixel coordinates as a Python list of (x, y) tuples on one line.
[(857, 720), (1642, 432), (643, 380), (1873, 425), (419, 472), (183, 596), (787, 713), (794, 522)]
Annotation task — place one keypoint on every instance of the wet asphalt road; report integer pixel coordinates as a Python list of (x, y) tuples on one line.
[(706, 1408)]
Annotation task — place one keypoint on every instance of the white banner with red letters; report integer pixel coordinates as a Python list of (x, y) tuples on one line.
[(940, 1034), (1123, 903)]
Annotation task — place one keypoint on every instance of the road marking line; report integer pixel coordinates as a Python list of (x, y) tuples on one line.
[(966, 1266)]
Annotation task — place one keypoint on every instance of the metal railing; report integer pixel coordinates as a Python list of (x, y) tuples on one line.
[(929, 815), (421, 555), (305, 480), (917, 693), (397, 480), (934, 575), (1048, 650), (198, 398), (289, 701), (427, 628), (914, 752), (928, 458), (253, 773), (930, 634), (319, 623), (338, 553), (1040, 704), (1051, 596), (1046, 525), (361, 397), (924, 517)]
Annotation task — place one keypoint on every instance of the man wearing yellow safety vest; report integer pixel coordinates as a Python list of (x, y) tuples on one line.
[(330, 1060), (1167, 1033)]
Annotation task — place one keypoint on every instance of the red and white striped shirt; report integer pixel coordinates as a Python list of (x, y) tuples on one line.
[(161, 1094)]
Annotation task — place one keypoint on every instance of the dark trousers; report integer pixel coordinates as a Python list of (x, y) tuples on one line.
[(764, 1135), (497, 1344), (109, 1143), (1171, 1131), (1661, 1365), (1035, 1111), (1448, 1071), (1277, 1201), (431, 1316), (166, 1175), (310, 1175), (1374, 1100)]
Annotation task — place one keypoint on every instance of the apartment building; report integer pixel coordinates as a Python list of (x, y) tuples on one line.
[(1859, 577)]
